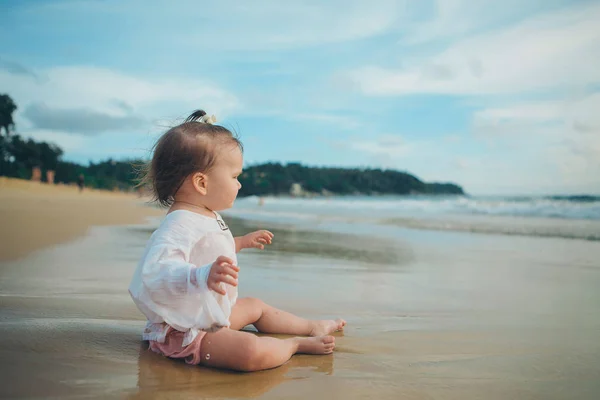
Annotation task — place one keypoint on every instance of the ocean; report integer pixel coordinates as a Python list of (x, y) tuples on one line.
[(569, 217)]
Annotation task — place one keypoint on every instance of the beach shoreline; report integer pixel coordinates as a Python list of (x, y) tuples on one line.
[(37, 215)]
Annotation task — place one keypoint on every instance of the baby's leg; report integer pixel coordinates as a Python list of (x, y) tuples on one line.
[(268, 319), (243, 351)]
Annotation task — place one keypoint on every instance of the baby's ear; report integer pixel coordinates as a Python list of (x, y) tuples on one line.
[(199, 182)]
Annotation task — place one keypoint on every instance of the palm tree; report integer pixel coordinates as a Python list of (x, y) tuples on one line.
[(7, 108)]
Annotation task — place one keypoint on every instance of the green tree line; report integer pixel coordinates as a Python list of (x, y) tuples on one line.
[(277, 179), (18, 157)]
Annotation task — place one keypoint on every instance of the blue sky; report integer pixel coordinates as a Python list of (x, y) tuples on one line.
[(499, 97)]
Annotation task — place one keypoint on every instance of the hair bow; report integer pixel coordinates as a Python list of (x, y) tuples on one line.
[(208, 119)]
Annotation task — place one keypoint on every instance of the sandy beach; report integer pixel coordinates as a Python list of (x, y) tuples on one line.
[(431, 315), (37, 215)]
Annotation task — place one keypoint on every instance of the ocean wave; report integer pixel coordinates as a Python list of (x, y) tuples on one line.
[(561, 207), (569, 217), (576, 198), (582, 230)]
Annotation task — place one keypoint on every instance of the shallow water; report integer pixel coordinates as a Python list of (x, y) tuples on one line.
[(430, 315)]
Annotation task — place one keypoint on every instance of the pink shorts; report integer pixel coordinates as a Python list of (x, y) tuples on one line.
[(172, 347)]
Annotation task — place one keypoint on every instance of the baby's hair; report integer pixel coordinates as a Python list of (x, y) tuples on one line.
[(189, 147)]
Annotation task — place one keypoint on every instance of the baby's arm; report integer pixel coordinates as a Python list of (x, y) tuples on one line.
[(256, 240), (168, 273)]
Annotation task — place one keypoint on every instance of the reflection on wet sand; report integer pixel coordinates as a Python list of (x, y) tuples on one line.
[(164, 378)]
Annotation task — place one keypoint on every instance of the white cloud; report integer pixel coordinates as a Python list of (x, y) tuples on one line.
[(387, 147), (116, 104), (112, 94), (530, 112), (452, 138), (456, 18), (68, 143), (565, 135), (464, 163), (556, 50), (104, 90), (336, 121), (234, 25), (534, 147), (578, 114)]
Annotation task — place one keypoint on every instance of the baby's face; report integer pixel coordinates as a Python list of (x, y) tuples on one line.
[(222, 182)]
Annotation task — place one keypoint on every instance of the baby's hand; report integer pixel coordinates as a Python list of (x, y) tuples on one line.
[(258, 239), (222, 270)]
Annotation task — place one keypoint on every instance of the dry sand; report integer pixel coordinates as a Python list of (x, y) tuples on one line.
[(36, 215)]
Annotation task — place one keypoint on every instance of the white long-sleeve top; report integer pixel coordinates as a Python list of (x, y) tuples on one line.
[(169, 284)]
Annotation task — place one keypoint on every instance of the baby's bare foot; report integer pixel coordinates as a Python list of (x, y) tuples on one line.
[(327, 326), (316, 345)]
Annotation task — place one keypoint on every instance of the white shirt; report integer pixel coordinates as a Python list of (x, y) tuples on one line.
[(185, 244)]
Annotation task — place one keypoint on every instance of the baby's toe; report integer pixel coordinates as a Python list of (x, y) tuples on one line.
[(328, 339)]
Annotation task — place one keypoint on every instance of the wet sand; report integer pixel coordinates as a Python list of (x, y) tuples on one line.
[(431, 315)]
